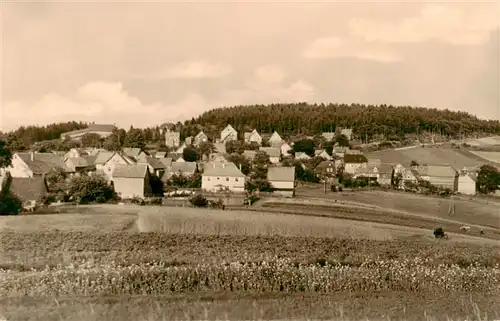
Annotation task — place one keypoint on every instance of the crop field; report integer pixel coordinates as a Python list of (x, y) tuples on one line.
[(489, 156), (427, 155), (159, 263)]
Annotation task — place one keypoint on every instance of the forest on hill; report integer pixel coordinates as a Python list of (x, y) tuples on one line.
[(367, 121)]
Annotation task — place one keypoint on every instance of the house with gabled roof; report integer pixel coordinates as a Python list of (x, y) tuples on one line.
[(132, 180), (84, 164), (155, 166), (228, 134), (221, 176), (253, 136), (172, 137), (347, 132), (133, 153), (326, 169), (273, 152), (109, 166), (354, 162), (322, 153), (467, 182), (30, 164), (199, 138), (184, 168), (438, 175), (286, 149), (99, 129), (275, 140), (282, 179)]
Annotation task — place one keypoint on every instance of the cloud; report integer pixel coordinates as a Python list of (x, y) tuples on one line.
[(448, 24), (196, 70), (334, 47), (102, 102)]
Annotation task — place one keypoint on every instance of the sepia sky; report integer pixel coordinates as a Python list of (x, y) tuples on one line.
[(147, 63)]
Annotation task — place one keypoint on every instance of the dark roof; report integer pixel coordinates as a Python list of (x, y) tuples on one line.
[(132, 152), (43, 163), (28, 189), (153, 162), (326, 164), (102, 157), (354, 158), (130, 171)]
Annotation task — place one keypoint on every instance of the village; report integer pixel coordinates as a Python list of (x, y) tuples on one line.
[(131, 170)]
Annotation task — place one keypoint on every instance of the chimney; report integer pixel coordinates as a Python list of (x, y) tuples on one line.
[(223, 165), (32, 154), (240, 167)]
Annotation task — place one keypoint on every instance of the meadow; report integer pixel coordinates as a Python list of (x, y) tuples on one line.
[(160, 263)]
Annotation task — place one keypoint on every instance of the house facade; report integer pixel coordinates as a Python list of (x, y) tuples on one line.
[(275, 140), (199, 138), (354, 162), (443, 176), (132, 180), (228, 134), (467, 183), (285, 149), (322, 153), (223, 176), (329, 136), (109, 166), (31, 164), (172, 138), (283, 180), (155, 166), (185, 169), (253, 137)]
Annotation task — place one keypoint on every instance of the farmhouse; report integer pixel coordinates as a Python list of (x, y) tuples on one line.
[(274, 153), (354, 162), (133, 153), (101, 130), (222, 176), (282, 179), (325, 169), (132, 180), (228, 134), (25, 165), (253, 136), (439, 175), (116, 159), (275, 140)]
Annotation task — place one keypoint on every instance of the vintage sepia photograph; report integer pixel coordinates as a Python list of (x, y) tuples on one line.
[(249, 160)]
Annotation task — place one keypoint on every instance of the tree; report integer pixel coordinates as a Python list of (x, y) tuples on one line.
[(305, 146), (189, 154), (235, 146), (413, 163), (206, 148), (91, 140), (86, 189), (14, 143), (488, 179), (134, 139), (5, 154), (240, 161), (115, 141), (56, 180), (329, 147), (342, 140), (258, 174), (156, 185), (178, 180), (10, 204)]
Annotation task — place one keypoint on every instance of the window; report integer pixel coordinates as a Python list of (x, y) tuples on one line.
[(236, 179), (227, 179), (208, 178), (109, 169), (218, 178)]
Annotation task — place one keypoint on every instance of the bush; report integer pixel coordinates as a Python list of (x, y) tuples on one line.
[(10, 204), (199, 200), (137, 200), (87, 189), (154, 201), (439, 233)]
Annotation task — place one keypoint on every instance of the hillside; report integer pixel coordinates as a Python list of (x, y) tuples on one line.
[(367, 121)]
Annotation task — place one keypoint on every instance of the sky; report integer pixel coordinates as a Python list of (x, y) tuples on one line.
[(145, 63)]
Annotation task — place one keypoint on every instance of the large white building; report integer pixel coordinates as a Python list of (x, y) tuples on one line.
[(220, 176)]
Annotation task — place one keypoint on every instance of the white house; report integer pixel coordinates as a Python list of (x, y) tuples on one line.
[(109, 166), (285, 149), (31, 164), (228, 134), (198, 139), (275, 140), (274, 153), (253, 136), (172, 138), (282, 179), (467, 183), (222, 176)]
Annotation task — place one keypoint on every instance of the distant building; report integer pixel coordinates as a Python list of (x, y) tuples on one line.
[(249, 154), (132, 180), (285, 149), (326, 169), (101, 130), (354, 162), (228, 134), (83, 164), (329, 136), (159, 155), (76, 152), (282, 179), (182, 168), (275, 140), (109, 165), (467, 183), (438, 175), (322, 153), (273, 152), (172, 138), (133, 153), (199, 138), (223, 176), (347, 132), (155, 166), (253, 136)]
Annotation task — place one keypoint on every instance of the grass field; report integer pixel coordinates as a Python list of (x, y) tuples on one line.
[(489, 156), (115, 262), (429, 156)]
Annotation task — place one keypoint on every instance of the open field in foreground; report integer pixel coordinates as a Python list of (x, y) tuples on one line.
[(159, 263)]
